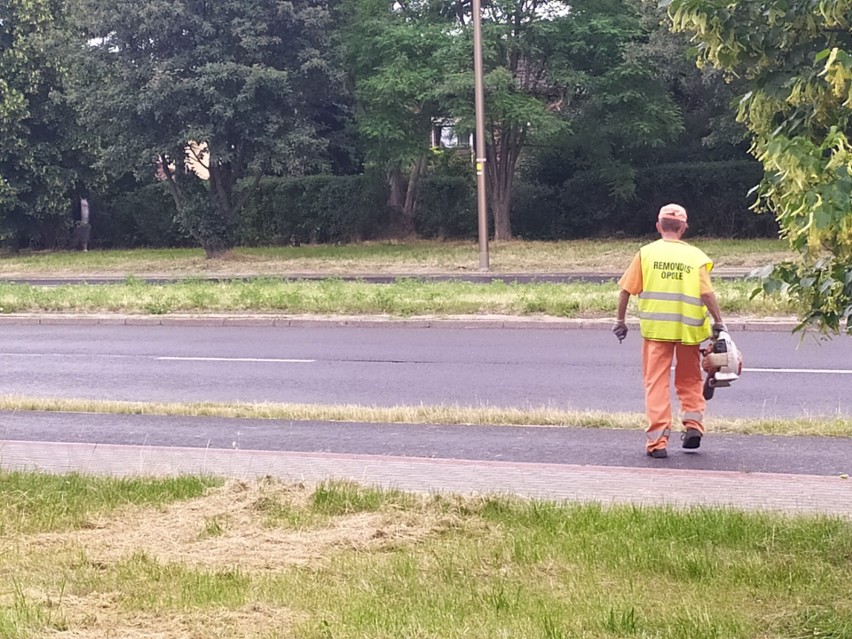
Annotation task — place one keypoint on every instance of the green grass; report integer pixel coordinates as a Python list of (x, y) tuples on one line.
[(443, 566), (273, 285), (404, 298), (31, 502)]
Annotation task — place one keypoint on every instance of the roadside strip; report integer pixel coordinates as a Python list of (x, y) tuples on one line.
[(734, 324), (822, 426)]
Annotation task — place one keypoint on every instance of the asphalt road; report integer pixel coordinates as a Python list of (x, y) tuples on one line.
[(567, 369), (614, 448)]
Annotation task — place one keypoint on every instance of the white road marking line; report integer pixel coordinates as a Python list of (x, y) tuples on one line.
[(793, 371), (237, 359), (803, 371)]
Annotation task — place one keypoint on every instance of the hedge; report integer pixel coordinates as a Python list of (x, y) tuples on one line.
[(446, 208), (136, 217), (327, 209), (716, 194), (315, 209)]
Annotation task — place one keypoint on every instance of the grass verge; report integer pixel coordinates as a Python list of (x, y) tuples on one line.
[(381, 257), (825, 426), (32, 502), (265, 560), (404, 298)]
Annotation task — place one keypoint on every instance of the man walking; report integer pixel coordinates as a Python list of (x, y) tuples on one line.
[(676, 301)]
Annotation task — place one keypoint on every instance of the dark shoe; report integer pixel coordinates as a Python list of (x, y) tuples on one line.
[(658, 453), (691, 439)]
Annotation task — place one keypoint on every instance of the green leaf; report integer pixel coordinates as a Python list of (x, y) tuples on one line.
[(799, 116)]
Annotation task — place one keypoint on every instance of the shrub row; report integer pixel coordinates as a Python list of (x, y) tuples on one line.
[(716, 194), (325, 209), (316, 209), (139, 216)]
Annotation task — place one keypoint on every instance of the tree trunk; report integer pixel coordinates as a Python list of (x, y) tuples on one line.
[(214, 250), (502, 154), (402, 196), (501, 207), (411, 193), (396, 191)]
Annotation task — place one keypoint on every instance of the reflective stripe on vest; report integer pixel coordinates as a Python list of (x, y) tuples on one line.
[(670, 306)]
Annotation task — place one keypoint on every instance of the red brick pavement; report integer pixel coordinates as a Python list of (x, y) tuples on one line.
[(749, 491)]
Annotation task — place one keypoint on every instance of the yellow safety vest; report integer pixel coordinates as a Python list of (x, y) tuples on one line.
[(670, 306)]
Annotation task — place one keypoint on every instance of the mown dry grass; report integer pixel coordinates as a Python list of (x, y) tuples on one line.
[(102, 616), (411, 258), (817, 425), (99, 579), (230, 528)]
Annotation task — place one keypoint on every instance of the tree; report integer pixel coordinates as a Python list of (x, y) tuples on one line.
[(564, 74), (413, 64), (242, 79), (398, 54), (526, 86), (623, 103), (38, 165), (796, 56), (702, 95)]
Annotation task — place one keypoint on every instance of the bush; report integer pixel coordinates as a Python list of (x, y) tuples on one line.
[(138, 216), (582, 207), (446, 208), (714, 193), (315, 209), (537, 213), (326, 208)]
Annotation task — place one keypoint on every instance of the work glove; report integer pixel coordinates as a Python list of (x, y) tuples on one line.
[(718, 328), (620, 331)]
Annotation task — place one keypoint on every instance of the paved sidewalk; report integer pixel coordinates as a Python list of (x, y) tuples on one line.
[(609, 485)]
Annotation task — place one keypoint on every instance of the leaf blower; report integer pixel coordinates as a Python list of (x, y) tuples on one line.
[(722, 361)]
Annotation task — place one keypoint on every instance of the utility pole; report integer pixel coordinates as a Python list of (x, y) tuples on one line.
[(479, 104)]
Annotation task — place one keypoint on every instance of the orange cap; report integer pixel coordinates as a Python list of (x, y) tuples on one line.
[(672, 212)]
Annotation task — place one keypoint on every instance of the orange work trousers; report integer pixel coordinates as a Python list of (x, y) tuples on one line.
[(657, 360)]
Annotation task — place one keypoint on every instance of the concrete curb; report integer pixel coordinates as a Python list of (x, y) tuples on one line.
[(779, 324)]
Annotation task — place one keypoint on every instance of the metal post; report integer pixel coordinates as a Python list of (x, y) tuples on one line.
[(479, 104)]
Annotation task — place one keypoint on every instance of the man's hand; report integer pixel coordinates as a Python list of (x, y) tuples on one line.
[(620, 330), (718, 327)]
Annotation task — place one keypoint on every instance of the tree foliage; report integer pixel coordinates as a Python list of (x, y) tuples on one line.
[(623, 105), (37, 144), (796, 56), (526, 83), (245, 77), (550, 67), (398, 55)]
